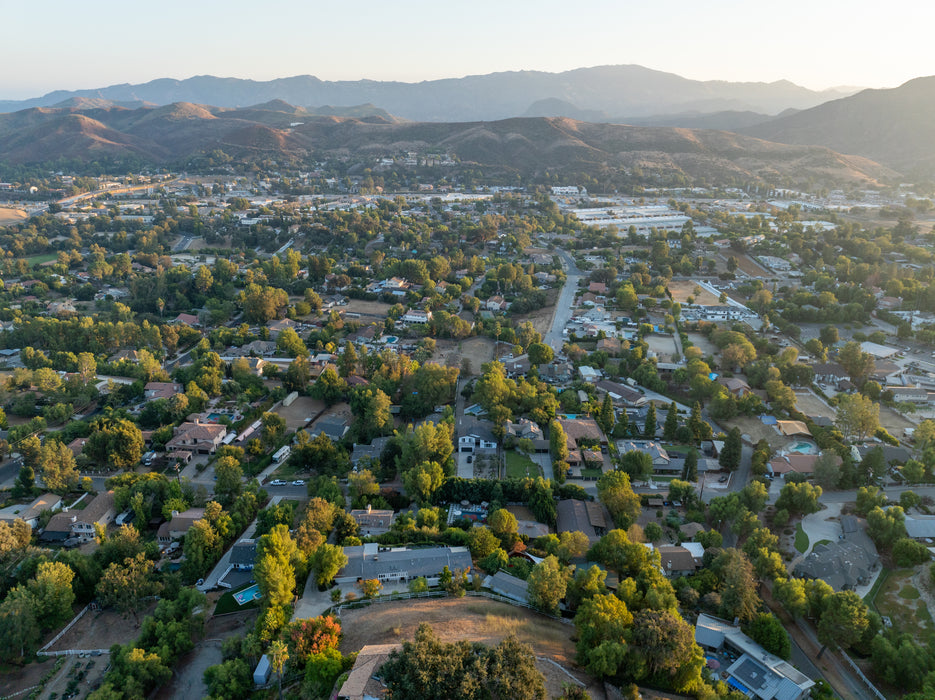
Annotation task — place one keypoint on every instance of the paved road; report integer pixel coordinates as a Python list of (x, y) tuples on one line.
[(565, 304)]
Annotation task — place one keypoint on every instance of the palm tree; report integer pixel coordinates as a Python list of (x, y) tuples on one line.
[(278, 655)]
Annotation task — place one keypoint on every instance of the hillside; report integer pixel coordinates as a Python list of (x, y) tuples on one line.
[(893, 127), (175, 133), (601, 93)]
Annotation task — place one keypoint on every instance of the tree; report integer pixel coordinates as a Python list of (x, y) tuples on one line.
[(502, 523), (690, 470), (230, 679), (638, 464), (19, 625), (52, 592), (326, 562), (274, 570), (800, 499), (371, 410), (362, 484), (671, 424), (571, 545), (202, 548), (278, 654), (125, 584), (924, 434), (602, 622), (25, 485), (558, 442), (274, 427), (539, 354), (730, 455), (370, 588), (547, 584), (615, 492), (329, 387), (229, 479), (828, 335), (423, 480), (116, 442), (828, 470), (857, 416), (482, 542), (738, 585), (886, 527), (767, 631), (606, 416), (663, 649), (649, 427), (57, 464), (843, 620), (699, 427), (857, 363)]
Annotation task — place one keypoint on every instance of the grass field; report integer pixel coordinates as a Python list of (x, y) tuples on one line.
[(39, 259), (896, 596), (519, 466), (801, 539)]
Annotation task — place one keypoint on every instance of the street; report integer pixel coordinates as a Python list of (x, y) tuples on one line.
[(565, 304)]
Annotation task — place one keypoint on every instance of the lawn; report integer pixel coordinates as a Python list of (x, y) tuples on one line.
[(39, 259), (519, 466), (801, 539), (898, 599), (227, 603)]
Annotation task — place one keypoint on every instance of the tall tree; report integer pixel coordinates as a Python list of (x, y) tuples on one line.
[(606, 415), (690, 470), (615, 492), (730, 455), (274, 571), (547, 584), (649, 427), (857, 416), (671, 426)]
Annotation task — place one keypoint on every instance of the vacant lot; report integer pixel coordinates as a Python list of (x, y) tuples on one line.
[(811, 405), (477, 351), (301, 410), (101, 629), (703, 344), (894, 422), (756, 430), (11, 216), (662, 345), (473, 619), (682, 289), (748, 265), (900, 600), (367, 308)]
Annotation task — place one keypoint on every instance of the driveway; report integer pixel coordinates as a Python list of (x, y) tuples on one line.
[(211, 580), (465, 470)]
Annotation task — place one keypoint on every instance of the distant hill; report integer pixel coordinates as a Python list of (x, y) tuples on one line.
[(724, 121), (894, 127), (605, 90), (174, 133)]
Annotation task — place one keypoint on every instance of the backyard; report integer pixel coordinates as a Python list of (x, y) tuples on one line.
[(900, 596), (519, 466)]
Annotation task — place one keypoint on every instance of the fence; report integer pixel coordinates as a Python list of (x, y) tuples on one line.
[(861, 675), (74, 652), (64, 630)]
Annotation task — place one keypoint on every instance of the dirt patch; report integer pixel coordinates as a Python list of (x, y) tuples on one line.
[(367, 308), (474, 619), (521, 513), (477, 351), (299, 413), (811, 405), (703, 344), (100, 629), (749, 265), (894, 423), (542, 318), (11, 216), (16, 680), (662, 345), (682, 289)]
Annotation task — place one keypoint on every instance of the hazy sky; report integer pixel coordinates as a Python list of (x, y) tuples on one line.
[(64, 44)]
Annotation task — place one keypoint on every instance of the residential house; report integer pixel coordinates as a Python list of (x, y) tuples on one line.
[(582, 432), (589, 374), (796, 463), (334, 427), (526, 429), (81, 523), (842, 564), (581, 516), (179, 525), (187, 320), (417, 316), (371, 451), (30, 514), (496, 303), (161, 390), (373, 522), (243, 555), (597, 288), (662, 462), (833, 374), (203, 438), (516, 366), (400, 564), (676, 561), (508, 586), (621, 393), (609, 345), (278, 326), (477, 436), (737, 388), (756, 673)]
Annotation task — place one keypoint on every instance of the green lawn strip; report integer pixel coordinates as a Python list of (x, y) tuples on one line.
[(519, 466), (801, 539), (227, 604), (870, 598), (822, 542)]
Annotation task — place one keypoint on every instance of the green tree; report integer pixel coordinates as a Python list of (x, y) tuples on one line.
[(800, 499), (663, 650), (730, 455), (229, 479), (423, 480), (289, 344), (19, 625), (230, 679), (857, 416), (124, 585), (371, 410), (690, 470), (615, 492), (738, 585), (116, 442), (857, 363), (671, 424), (558, 442), (547, 585), (649, 427), (539, 354), (274, 571), (326, 562), (606, 416), (53, 595), (699, 427), (767, 631), (843, 620), (638, 464), (502, 523), (25, 485), (330, 387), (602, 622), (57, 464)]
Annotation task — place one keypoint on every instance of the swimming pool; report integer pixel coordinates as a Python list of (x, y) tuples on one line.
[(390, 339), (804, 448), (248, 594), (215, 417)]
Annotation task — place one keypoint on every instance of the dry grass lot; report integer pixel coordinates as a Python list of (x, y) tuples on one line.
[(477, 351), (662, 345), (748, 265), (894, 423), (756, 430), (11, 216), (682, 289), (300, 411), (473, 619), (100, 630), (367, 308), (703, 344), (811, 405)]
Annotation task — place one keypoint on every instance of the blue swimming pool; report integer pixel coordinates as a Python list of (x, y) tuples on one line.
[(804, 448), (248, 594)]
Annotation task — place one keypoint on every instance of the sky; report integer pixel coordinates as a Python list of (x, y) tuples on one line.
[(68, 45)]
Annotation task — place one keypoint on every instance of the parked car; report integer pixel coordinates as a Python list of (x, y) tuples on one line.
[(298, 482), (277, 482), (470, 459)]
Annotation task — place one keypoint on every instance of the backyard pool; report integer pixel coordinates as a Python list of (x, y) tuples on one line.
[(390, 339), (215, 417), (248, 594), (804, 448)]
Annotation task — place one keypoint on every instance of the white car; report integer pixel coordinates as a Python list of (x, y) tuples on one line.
[(277, 482), (298, 482)]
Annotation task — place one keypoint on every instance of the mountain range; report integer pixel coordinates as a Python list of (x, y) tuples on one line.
[(172, 134), (601, 94)]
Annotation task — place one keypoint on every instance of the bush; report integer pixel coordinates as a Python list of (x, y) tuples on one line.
[(908, 552)]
